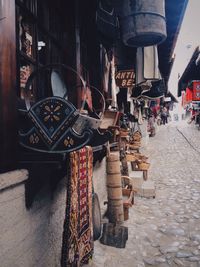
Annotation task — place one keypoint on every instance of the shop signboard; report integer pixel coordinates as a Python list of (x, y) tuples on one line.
[(167, 99), (125, 78), (196, 90), (188, 95)]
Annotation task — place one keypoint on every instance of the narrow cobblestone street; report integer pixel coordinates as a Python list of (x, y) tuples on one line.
[(164, 231)]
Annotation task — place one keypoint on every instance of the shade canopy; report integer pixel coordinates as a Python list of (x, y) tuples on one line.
[(191, 72)]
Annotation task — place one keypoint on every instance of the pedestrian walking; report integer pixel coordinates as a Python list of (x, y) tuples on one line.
[(164, 114)]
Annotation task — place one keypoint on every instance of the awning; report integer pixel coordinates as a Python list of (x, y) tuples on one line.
[(192, 72)]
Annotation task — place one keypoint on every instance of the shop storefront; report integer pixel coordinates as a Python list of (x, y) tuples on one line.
[(188, 88), (51, 50)]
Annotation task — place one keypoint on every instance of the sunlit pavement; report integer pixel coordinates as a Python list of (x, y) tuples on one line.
[(164, 231)]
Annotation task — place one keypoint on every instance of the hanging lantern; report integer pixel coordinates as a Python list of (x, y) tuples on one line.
[(143, 22), (146, 103)]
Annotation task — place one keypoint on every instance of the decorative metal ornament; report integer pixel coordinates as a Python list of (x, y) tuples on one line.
[(52, 120)]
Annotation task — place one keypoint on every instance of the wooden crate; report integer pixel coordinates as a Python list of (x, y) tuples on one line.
[(147, 189), (110, 118)]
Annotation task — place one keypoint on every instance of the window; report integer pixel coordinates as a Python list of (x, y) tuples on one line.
[(39, 41)]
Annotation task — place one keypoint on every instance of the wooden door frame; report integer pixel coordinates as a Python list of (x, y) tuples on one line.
[(8, 111)]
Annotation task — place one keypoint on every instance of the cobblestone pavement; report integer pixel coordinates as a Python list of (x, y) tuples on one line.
[(164, 231)]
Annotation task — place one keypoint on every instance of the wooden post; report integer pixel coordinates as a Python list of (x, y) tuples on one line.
[(78, 52), (8, 129)]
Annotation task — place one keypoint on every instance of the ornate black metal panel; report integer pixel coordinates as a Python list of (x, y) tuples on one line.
[(52, 120)]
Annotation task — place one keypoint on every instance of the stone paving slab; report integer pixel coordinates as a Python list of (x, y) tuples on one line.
[(164, 231)]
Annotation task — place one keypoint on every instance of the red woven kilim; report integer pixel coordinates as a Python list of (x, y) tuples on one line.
[(78, 229)]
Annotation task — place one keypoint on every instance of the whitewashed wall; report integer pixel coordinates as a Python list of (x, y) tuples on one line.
[(33, 237)]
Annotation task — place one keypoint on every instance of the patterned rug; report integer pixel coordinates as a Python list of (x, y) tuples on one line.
[(78, 245)]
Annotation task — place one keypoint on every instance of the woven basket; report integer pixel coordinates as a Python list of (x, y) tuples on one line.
[(143, 166), (137, 138), (136, 134), (130, 157), (127, 196), (126, 182), (124, 133), (143, 158), (128, 201), (137, 143), (140, 157), (133, 146)]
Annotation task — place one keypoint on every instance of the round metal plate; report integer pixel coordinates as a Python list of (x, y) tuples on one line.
[(58, 86)]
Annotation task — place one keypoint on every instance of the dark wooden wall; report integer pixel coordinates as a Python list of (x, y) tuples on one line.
[(90, 46), (79, 31), (7, 85)]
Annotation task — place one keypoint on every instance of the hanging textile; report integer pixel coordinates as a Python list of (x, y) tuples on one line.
[(147, 64), (106, 69), (77, 246), (139, 73), (114, 87), (183, 98), (130, 100), (151, 70), (122, 102), (87, 97), (140, 119)]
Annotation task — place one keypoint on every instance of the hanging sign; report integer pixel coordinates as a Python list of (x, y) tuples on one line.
[(125, 78), (196, 91)]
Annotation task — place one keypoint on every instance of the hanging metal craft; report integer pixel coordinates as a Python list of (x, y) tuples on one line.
[(52, 121)]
